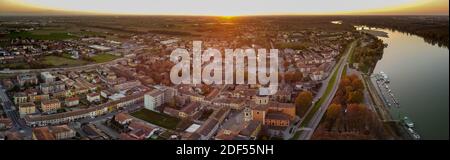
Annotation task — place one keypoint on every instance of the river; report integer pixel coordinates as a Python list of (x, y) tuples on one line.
[(419, 75)]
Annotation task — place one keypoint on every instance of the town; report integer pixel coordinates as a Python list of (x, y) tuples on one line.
[(104, 83)]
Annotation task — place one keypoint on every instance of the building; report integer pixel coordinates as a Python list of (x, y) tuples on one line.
[(47, 77), (122, 118), (30, 79), (276, 119), (248, 114), (62, 132), (91, 112), (211, 125), (52, 87), (53, 133), (39, 98), (285, 108), (93, 133), (259, 113), (140, 130), (83, 84), (283, 95), (62, 94), (208, 128), (272, 113), (153, 99), (42, 133), (189, 110), (261, 100), (317, 76), (233, 103), (127, 85), (20, 97), (106, 93), (72, 101), (158, 97), (120, 122), (27, 108), (50, 106), (93, 97), (252, 129), (5, 123)]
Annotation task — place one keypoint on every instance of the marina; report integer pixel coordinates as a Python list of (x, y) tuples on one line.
[(382, 82)]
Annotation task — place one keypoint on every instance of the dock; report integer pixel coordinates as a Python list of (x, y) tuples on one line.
[(383, 99), (393, 126)]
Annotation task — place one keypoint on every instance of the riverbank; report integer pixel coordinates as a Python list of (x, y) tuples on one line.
[(392, 126), (375, 33), (419, 75)]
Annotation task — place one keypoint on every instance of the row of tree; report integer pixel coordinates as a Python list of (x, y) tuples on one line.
[(348, 117)]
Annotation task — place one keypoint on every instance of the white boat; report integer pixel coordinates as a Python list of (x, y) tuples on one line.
[(413, 133), (408, 122), (384, 76)]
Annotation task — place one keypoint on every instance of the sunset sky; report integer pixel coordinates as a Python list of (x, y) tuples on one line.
[(226, 7)]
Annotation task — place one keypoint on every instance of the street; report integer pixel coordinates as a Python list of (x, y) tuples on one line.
[(308, 131), (18, 123)]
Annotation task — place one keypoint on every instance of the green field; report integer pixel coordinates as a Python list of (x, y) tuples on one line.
[(49, 36), (60, 61), (57, 61), (159, 119), (21, 65), (103, 57)]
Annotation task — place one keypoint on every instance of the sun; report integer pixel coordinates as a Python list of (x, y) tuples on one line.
[(227, 17)]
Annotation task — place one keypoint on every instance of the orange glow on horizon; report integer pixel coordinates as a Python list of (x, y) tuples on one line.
[(230, 8)]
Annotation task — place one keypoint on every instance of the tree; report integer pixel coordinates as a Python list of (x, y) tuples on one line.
[(292, 77), (298, 76), (356, 114), (345, 81), (333, 112), (286, 64), (302, 102), (357, 84), (206, 89), (355, 97)]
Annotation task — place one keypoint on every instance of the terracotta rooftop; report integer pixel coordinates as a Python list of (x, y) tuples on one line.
[(277, 116), (121, 117), (43, 133), (50, 101)]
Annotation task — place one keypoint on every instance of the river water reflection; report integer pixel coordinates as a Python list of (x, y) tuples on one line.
[(419, 75)]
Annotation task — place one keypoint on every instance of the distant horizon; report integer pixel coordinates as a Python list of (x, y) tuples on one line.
[(193, 15), (230, 8), (201, 15)]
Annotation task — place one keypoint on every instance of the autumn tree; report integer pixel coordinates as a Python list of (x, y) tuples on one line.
[(293, 77), (302, 102), (298, 76), (355, 116), (206, 89), (333, 112), (357, 84), (355, 97)]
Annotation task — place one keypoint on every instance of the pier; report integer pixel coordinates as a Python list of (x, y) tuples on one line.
[(384, 99)]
